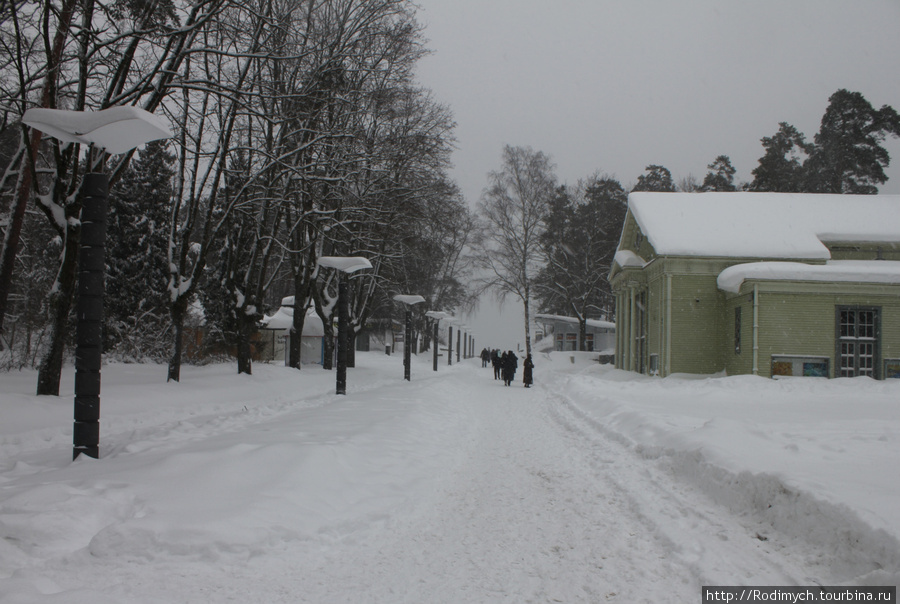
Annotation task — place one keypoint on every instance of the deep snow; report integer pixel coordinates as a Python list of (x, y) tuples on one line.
[(595, 485)]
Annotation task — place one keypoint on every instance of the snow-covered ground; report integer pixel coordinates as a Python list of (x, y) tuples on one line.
[(596, 485)]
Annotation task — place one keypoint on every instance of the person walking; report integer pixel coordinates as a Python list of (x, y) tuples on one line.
[(527, 371), (485, 357), (509, 365), (495, 361)]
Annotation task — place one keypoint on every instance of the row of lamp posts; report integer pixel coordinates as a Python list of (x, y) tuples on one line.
[(351, 264), (119, 130)]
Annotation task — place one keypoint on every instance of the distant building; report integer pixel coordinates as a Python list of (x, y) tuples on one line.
[(600, 335), (759, 283)]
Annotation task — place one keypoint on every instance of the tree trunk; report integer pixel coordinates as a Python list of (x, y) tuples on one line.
[(296, 339), (50, 370), (244, 347), (328, 348), (582, 334), (527, 326), (327, 330), (13, 234), (179, 312), (427, 339), (23, 192)]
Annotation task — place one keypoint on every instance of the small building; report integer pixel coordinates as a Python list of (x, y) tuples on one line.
[(770, 284), (600, 336), (275, 333)]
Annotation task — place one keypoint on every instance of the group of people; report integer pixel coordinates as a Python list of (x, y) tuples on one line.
[(505, 365)]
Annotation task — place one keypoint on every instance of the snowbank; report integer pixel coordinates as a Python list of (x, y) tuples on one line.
[(814, 459)]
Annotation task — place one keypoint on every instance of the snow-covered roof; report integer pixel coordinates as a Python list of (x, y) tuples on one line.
[(626, 258), (348, 264), (853, 271), (762, 225), (597, 323), (283, 318)]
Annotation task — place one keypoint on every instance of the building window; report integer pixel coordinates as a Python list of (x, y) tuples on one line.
[(567, 342), (857, 346), (737, 330)]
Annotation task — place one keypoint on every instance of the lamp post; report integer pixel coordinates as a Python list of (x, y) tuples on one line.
[(409, 300), (115, 130), (437, 315), (450, 344), (347, 265)]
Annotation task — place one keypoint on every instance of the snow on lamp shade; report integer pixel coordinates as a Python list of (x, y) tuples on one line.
[(409, 299), (116, 129), (347, 264)]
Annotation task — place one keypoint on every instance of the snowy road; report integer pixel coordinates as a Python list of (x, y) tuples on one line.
[(543, 507), (452, 488)]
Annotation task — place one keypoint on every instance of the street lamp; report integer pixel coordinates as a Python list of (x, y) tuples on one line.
[(347, 265), (437, 315), (459, 331), (450, 320), (115, 130), (409, 300)]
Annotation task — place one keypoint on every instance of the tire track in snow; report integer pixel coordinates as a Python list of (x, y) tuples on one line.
[(745, 549)]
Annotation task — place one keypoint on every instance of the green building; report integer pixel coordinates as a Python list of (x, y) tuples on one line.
[(770, 284)]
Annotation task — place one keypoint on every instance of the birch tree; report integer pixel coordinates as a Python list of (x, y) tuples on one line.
[(512, 211)]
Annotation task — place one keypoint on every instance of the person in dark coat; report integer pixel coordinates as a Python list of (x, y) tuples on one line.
[(485, 357), (495, 361), (527, 373), (510, 365)]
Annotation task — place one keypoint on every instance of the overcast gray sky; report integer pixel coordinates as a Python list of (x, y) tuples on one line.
[(615, 85), (612, 86)]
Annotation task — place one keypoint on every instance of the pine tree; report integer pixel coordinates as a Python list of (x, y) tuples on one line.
[(657, 178), (848, 155), (137, 316), (579, 242), (720, 176), (780, 170)]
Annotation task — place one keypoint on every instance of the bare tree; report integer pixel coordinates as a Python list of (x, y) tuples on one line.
[(299, 132), (220, 99), (101, 55), (512, 212)]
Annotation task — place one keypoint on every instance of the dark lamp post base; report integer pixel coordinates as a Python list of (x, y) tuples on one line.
[(89, 314)]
